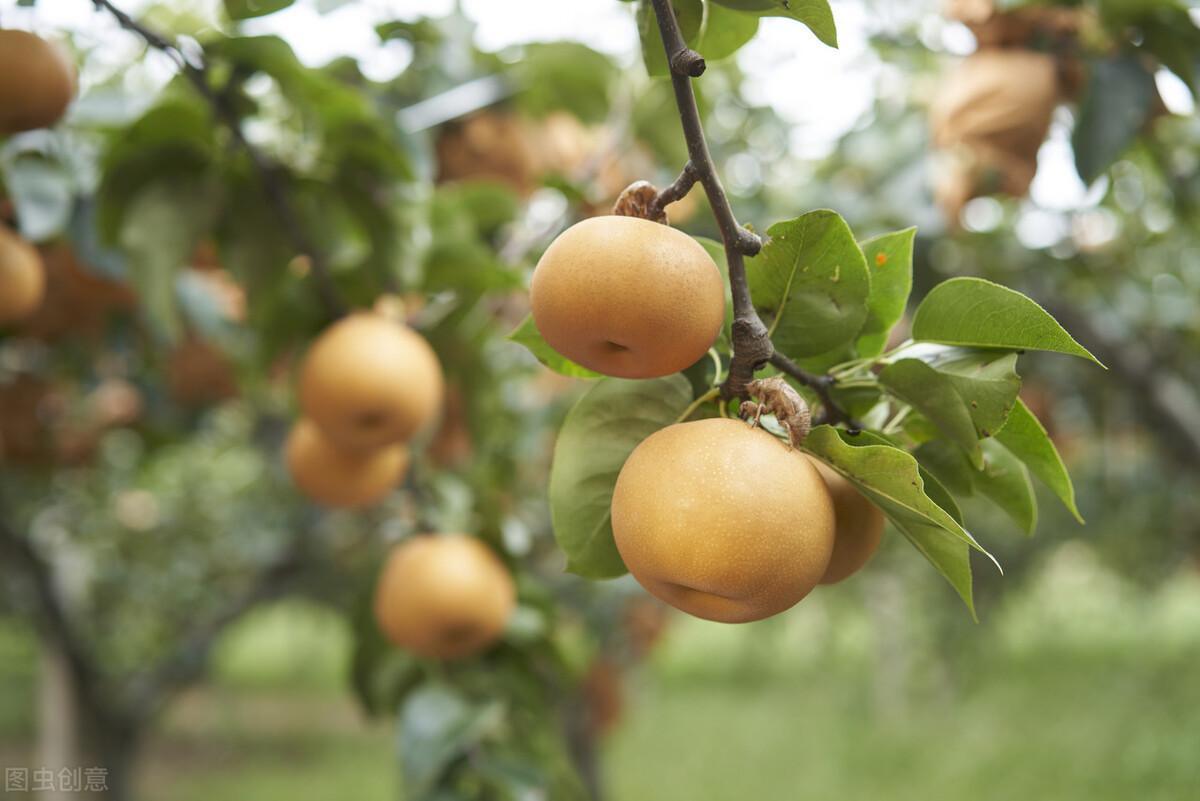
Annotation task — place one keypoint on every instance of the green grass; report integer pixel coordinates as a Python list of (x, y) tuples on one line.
[(18, 665), (1062, 728)]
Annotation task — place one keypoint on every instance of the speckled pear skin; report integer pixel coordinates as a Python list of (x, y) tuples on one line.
[(627, 297), (723, 521)]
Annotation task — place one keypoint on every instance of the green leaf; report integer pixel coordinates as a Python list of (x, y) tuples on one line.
[(938, 493), (1002, 479), (1116, 104), (949, 464), (565, 76), (689, 13), (891, 479), (934, 395), (889, 260), (159, 232), (43, 193), (1026, 439), (725, 32), (1170, 34), (528, 335), (988, 383), (816, 14), (976, 313), (596, 438), (248, 9), (1005, 481), (436, 726), (811, 281)]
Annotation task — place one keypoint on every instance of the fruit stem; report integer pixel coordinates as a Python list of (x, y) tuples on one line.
[(269, 174), (712, 395), (823, 385)]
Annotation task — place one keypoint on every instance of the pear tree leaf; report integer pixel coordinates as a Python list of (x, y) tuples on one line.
[(1119, 97), (1002, 479), (596, 438), (437, 725), (891, 479), (528, 335), (988, 383), (938, 493), (1025, 437), (1005, 481), (724, 33), (935, 396), (949, 464), (159, 232), (248, 9), (889, 260), (812, 283), (816, 14), (972, 312)]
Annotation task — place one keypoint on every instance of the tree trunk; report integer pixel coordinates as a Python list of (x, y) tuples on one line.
[(58, 720)]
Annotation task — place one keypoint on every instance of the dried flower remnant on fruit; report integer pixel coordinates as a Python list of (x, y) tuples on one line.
[(640, 199), (776, 396)]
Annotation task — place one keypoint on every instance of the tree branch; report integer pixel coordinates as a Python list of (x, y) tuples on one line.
[(752, 346), (52, 618), (268, 172), (831, 412)]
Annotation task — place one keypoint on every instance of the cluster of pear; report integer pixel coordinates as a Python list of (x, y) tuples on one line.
[(368, 384), (717, 518), (37, 83)]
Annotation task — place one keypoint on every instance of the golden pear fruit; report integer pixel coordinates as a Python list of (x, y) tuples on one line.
[(858, 530), (722, 520), (37, 82), (338, 478), (369, 381), (444, 596), (22, 277), (628, 297)]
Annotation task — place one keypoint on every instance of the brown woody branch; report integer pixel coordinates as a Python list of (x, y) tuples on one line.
[(269, 174), (752, 346)]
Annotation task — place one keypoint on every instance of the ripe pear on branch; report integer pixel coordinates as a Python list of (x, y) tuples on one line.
[(369, 381), (22, 278), (444, 596), (37, 82), (722, 520), (628, 297)]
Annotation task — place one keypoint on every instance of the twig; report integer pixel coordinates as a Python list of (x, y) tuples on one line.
[(823, 385), (752, 346), (678, 190), (268, 172)]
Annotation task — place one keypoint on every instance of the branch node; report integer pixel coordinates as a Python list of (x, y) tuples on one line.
[(748, 242), (688, 63)]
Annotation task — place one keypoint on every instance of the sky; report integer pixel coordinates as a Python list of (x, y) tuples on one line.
[(780, 63)]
